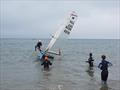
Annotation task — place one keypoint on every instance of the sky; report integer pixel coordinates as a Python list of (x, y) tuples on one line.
[(97, 19)]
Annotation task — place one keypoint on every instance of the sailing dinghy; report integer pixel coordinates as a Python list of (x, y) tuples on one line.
[(64, 30)]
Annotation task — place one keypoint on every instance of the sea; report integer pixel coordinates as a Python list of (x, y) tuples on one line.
[(20, 69)]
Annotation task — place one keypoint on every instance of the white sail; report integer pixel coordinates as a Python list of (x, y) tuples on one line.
[(64, 30)]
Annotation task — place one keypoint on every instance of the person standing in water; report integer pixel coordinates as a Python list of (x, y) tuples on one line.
[(38, 46), (46, 63), (90, 60), (104, 67)]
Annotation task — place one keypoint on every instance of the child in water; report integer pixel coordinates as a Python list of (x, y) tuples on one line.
[(90, 60)]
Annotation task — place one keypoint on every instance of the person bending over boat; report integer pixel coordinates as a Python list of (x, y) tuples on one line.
[(46, 63), (104, 67), (90, 60), (38, 46)]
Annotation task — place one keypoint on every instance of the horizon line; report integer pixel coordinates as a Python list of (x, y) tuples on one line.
[(50, 38)]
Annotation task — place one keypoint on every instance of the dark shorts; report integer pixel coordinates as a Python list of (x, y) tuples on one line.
[(104, 75)]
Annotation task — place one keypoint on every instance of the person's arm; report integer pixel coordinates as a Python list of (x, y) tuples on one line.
[(50, 63), (99, 66), (42, 63), (88, 60), (110, 64)]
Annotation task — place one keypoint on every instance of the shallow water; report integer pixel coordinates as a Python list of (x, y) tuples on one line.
[(19, 69)]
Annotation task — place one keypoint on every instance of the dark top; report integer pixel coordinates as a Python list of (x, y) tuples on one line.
[(104, 65), (46, 64), (90, 59), (39, 44)]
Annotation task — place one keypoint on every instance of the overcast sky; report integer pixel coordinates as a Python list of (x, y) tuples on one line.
[(97, 19)]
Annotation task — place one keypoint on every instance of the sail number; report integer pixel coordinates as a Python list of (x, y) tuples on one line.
[(69, 27)]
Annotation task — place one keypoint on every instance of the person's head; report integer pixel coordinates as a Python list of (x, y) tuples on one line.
[(46, 58), (90, 54), (39, 40), (103, 57)]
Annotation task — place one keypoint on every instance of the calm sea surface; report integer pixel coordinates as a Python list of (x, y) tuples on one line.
[(19, 69)]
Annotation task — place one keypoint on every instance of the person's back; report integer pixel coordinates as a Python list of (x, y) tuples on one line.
[(90, 60), (104, 67), (38, 45)]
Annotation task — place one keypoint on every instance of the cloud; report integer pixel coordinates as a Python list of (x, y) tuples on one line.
[(39, 19)]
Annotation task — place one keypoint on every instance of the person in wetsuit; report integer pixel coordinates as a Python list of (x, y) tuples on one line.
[(104, 67), (46, 63), (38, 46), (90, 60)]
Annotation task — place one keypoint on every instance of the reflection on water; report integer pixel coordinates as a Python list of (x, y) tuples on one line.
[(104, 87), (90, 71)]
